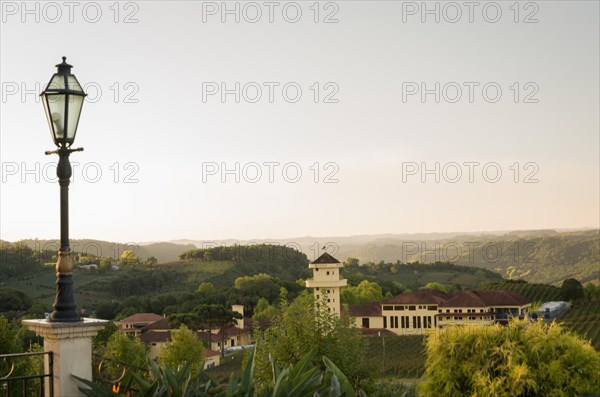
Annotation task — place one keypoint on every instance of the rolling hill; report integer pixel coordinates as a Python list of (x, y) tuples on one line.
[(543, 256)]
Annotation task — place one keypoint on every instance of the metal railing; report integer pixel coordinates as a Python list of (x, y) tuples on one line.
[(14, 384), (115, 373)]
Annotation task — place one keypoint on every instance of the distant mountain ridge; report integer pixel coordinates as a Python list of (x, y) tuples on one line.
[(163, 251), (548, 255)]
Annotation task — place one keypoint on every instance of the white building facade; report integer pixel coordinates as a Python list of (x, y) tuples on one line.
[(326, 282)]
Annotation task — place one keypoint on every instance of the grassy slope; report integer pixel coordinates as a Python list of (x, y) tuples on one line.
[(229, 364), (584, 319), (404, 355)]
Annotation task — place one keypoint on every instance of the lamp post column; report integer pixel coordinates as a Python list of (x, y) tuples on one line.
[(64, 303), (66, 335)]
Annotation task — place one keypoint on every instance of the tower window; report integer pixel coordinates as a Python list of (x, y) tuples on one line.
[(328, 272)]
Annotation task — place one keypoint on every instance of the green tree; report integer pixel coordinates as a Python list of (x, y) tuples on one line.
[(107, 310), (206, 288), (87, 259), (9, 337), (303, 325), (124, 349), (264, 311), (437, 286), (128, 257), (571, 290), (352, 262), (366, 291), (521, 359), (11, 341), (591, 292), (101, 339), (13, 300), (241, 281), (151, 260), (37, 310), (105, 265), (209, 317), (185, 348)]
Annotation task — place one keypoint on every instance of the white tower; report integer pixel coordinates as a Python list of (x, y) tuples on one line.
[(326, 282)]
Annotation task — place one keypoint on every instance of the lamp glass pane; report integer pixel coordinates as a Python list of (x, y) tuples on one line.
[(56, 107), (75, 104), (73, 84), (47, 110), (57, 82)]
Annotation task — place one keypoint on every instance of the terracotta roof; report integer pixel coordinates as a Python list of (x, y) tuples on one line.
[(372, 309), (204, 335), (155, 337), (210, 353), (325, 258), (465, 299), (420, 296), (163, 323), (503, 298), (376, 332), (216, 337), (142, 318), (485, 298)]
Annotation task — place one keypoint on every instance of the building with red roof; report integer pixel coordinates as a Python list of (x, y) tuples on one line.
[(155, 331), (421, 311), (133, 324)]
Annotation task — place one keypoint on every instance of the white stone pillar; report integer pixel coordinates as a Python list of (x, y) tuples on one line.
[(71, 347)]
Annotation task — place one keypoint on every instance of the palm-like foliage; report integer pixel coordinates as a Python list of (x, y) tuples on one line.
[(299, 380)]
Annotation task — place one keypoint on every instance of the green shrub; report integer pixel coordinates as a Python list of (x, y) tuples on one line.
[(521, 359)]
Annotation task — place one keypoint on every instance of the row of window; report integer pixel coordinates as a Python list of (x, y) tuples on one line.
[(417, 321), (460, 310), (409, 307), (515, 310), (405, 322)]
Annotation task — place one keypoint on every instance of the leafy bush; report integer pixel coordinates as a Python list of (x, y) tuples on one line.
[(521, 359), (185, 347)]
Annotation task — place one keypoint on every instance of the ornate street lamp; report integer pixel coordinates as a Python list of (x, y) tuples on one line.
[(63, 99)]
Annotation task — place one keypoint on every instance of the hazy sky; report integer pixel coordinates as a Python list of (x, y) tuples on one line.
[(509, 88)]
